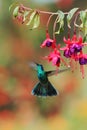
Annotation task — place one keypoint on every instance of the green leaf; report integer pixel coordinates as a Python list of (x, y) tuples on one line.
[(85, 38), (70, 16), (15, 12), (26, 13), (12, 5), (36, 21), (60, 15), (83, 28), (31, 17), (83, 25), (60, 21), (83, 16)]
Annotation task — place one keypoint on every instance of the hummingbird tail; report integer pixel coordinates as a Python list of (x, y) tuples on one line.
[(42, 90), (51, 91)]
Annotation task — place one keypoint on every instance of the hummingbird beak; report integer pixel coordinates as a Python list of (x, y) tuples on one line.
[(33, 65)]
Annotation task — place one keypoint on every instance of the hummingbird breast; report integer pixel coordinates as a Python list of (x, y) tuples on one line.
[(43, 77)]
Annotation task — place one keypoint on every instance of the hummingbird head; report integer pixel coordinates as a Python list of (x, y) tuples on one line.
[(36, 66), (39, 67)]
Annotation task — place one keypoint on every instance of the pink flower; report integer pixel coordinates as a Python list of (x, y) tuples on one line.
[(73, 40), (48, 42), (83, 59), (73, 46), (54, 56), (73, 51)]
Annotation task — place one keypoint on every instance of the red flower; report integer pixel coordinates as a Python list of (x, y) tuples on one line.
[(73, 40), (73, 46), (73, 51), (48, 42), (83, 59), (54, 56)]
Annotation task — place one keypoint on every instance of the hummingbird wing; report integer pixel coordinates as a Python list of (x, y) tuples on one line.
[(53, 72)]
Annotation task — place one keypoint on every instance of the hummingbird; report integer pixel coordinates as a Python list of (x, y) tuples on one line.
[(44, 87)]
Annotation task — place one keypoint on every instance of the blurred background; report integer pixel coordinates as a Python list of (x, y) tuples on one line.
[(19, 110)]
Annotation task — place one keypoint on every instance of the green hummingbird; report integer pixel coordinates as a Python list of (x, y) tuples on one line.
[(44, 87)]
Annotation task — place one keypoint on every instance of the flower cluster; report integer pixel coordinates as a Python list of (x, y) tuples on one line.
[(54, 55), (73, 47), (74, 50)]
